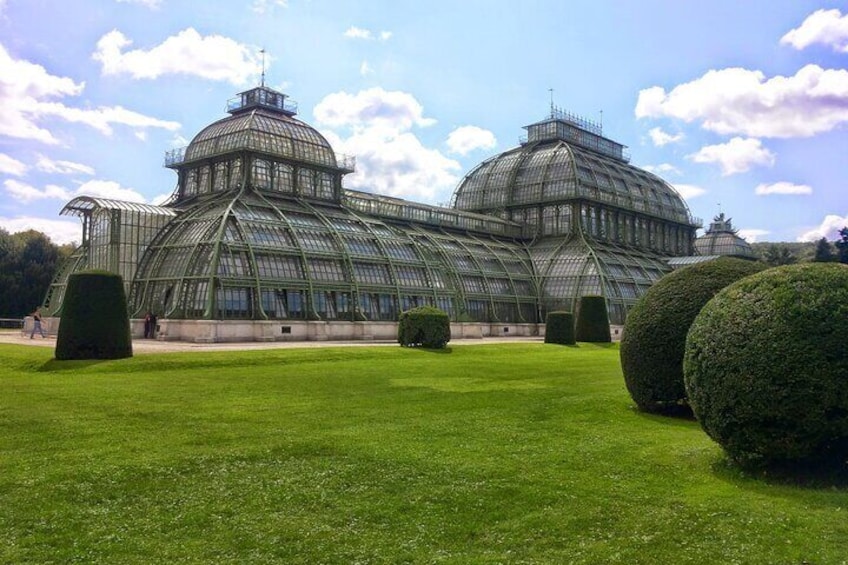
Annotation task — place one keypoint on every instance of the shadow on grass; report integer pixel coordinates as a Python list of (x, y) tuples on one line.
[(440, 350), (802, 479), (677, 416), (56, 366)]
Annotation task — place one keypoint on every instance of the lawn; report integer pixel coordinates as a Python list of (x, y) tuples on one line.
[(509, 453)]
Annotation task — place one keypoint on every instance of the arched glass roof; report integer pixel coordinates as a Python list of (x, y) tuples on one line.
[(555, 170), (722, 239), (85, 205), (264, 131)]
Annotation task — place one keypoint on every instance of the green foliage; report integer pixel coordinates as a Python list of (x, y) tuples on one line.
[(842, 245), (95, 323), (593, 320), (28, 261), (776, 255), (766, 366), (507, 453), (424, 326), (802, 251), (824, 251), (654, 339), (559, 328)]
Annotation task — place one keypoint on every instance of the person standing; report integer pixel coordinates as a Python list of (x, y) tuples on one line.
[(36, 324)]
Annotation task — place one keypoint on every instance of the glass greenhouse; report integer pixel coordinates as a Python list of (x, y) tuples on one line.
[(261, 229)]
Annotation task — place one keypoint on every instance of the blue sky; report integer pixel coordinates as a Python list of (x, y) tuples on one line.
[(742, 106)]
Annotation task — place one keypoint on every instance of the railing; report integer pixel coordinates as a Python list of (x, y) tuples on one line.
[(346, 162), (11, 323), (697, 222), (175, 156), (270, 100)]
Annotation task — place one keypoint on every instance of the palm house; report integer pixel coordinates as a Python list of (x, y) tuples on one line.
[(261, 241)]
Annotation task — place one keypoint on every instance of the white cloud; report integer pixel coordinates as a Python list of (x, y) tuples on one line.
[(60, 232), (741, 101), (662, 169), (48, 165), (212, 57), (28, 95), (736, 156), (827, 27), (782, 188), (829, 228), (261, 7), (688, 191), (354, 32), (660, 137), (11, 166), (390, 159), (108, 189), (152, 4), (463, 140), (394, 111), (365, 69), (23, 192), (752, 235)]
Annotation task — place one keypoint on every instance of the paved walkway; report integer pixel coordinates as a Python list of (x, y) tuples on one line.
[(155, 346)]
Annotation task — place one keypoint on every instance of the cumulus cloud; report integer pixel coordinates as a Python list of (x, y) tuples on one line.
[(736, 156), (375, 125), (394, 111), (60, 232), (741, 101), (826, 27), (262, 7), (829, 228), (688, 191), (662, 169), (152, 4), (11, 166), (23, 192), (212, 57), (30, 95), (354, 32), (463, 140), (47, 165), (752, 235), (782, 188), (660, 137)]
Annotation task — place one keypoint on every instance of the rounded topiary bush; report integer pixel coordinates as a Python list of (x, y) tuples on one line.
[(766, 366), (559, 328), (424, 326), (95, 323), (593, 320), (655, 331)]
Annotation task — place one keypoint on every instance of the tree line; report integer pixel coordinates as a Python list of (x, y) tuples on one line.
[(821, 251), (28, 262)]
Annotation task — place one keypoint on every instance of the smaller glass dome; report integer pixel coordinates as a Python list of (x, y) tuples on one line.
[(722, 239)]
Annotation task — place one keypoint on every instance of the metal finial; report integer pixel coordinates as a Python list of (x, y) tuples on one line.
[(262, 51), (551, 90)]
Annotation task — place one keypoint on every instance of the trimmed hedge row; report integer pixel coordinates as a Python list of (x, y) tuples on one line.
[(424, 326), (593, 320), (766, 366), (559, 328), (655, 331), (94, 323)]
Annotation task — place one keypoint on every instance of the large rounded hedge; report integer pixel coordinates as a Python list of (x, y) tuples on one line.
[(424, 326), (94, 323), (766, 366), (655, 331)]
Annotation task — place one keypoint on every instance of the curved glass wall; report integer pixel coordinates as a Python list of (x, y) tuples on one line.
[(258, 256)]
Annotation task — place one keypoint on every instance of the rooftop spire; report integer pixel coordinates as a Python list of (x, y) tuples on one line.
[(262, 82)]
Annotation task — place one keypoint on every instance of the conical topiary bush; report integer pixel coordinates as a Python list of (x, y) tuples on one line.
[(593, 320), (95, 323)]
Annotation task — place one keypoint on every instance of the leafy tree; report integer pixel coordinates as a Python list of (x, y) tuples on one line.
[(777, 255), (28, 262), (824, 251), (842, 245)]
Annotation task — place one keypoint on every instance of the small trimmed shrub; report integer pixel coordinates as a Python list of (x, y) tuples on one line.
[(424, 326), (94, 323), (766, 367), (559, 328), (593, 320), (655, 331)]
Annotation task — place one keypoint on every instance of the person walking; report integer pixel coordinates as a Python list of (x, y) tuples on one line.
[(36, 324)]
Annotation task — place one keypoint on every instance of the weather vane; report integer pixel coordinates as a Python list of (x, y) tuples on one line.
[(262, 51)]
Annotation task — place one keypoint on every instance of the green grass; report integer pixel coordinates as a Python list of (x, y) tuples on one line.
[(514, 453)]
